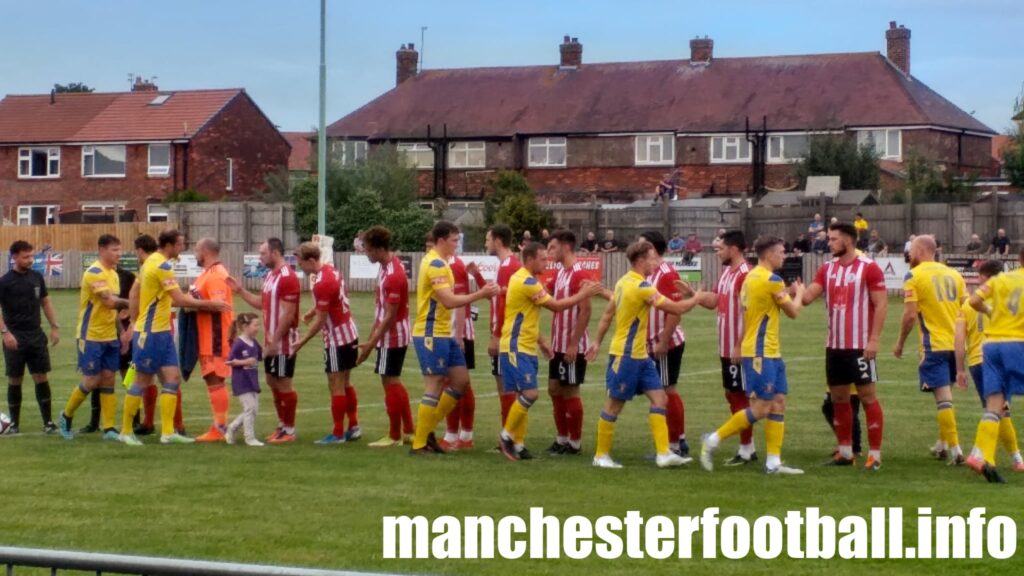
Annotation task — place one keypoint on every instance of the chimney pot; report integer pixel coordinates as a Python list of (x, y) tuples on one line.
[(407, 61), (571, 52), (897, 46), (701, 50), (412, 46)]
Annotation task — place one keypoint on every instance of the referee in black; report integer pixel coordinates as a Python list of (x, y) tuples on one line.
[(22, 294)]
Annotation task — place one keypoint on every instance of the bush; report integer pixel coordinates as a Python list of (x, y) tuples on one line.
[(1013, 158), (857, 167), (187, 195), (514, 204)]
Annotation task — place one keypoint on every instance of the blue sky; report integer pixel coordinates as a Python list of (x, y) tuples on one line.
[(970, 51)]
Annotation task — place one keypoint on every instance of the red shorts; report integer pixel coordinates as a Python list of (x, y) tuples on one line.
[(214, 365)]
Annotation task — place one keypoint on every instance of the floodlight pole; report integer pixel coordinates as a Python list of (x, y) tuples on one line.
[(321, 163)]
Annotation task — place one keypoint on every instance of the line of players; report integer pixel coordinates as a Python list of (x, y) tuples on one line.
[(645, 353)]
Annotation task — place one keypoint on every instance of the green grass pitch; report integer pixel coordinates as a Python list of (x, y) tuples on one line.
[(322, 506)]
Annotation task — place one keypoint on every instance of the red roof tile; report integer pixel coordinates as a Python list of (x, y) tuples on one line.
[(108, 117), (795, 92), (302, 147)]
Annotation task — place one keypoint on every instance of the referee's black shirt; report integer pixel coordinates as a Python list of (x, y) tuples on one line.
[(21, 294)]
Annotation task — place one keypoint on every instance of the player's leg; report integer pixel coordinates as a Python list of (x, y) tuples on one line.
[(756, 383), (855, 405), (842, 423), (875, 420), (336, 381), (556, 370), (574, 404), (215, 373), (736, 398), (170, 387), (467, 415), (38, 360), (606, 432), (108, 403), (946, 417), (506, 399), (457, 379), (432, 354), (653, 386), (97, 361), (94, 415), (1008, 439), (675, 405), (132, 404), (520, 375), (88, 383), (348, 354), (14, 367)]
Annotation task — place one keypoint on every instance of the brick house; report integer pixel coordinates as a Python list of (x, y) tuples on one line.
[(80, 154), (614, 130)]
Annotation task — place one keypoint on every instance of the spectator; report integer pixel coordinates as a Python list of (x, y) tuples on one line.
[(906, 248), (817, 225), (821, 243), (877, 246), (834, 220), (589, 246), (802, 244), (357, 243), (545, 236), (693, 246), (718, 238), (1000, 244), (861, 225), (527, 238), (676, 244), (609, 244), (975, 245), (462, 241)]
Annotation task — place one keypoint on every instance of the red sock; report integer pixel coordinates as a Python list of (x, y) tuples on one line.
[(353, 406), (149, 405), (739, 401), (842, 420), (468, 404), (506, 404), (674, 416), (558, 410), (290, 401), (875, 421), (452, 419), (339, 405), (179, 421), (278, 406), (407, 424), (574, 417), (682, 417), (392, 404), (219, 404)]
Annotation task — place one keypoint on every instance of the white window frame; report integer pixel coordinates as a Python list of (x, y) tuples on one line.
[(25, 212), (52, 154), (230, 184), (101, 206), (781, 157), (547, 144), (158, 211), (459, 154), (864, 138), (358, 148), (412, 152), (645, 146), (733, 141), (157, 170), (90, 150)]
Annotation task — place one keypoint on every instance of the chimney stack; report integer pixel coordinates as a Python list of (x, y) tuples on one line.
[(143, 85), (897, 46), (572, 53), (407, 63), (701, 50)]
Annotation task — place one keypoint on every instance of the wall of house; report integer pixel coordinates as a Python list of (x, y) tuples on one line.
[(942, 147), (240, 132)]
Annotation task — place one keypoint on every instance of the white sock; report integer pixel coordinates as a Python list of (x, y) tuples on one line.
[(466, 435), (505, 434), (773, 461), (956, 451), (450, 437), (746, 450), (519, 447), (576, 444), (977, 453), (876, 454), (712, 440), (289, 430), (846, 452), (563, 440), (1017, 458)]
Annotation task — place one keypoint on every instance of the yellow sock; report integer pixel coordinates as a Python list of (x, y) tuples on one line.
[(947, 424), (519, 434), (659, 430), (606, 434), (1008, 434), (516, 414), (425, 422), (446, 404), (988, 436), (168, 404), (774, 432), (108, 407), (737, 423), (78, 395), (131, 408)]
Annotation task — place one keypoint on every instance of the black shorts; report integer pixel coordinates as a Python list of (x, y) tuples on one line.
[(341, 358), (845, 367), (567, 374), (495, 366), (31, 352), (126, 360), (669, 366), (390, 361), (732, 376), (469, 351), (280, 366)]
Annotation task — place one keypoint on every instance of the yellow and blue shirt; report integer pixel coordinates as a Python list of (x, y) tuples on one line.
[(762, 294), (523, 300), (432, 318), (634, 296), (974, 323), (96, 322), (156, 281), (1003, 293), (939, 292)]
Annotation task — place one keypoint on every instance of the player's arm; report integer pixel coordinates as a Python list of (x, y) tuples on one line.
[(582, 321), (906, 325), (109, 300), (319, 319), (587, 289), (51, 317), (977, 300), (450, 300), (182, 300), (378, 332), (792, 306), (880, 303), (602, 329), (812, 292), (708, 300), (960, 351), (254, 300), (545, 347)]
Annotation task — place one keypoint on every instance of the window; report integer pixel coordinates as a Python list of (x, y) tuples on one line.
[(37, 214), (103, 161), (102, 206), (726, 149), (231, 175), (887, 142), (348, 153), (657, 149), (38, 162), (546, 152), (787, 148), (159, 159), (156, 213), (417, 155), (159, 100), (467, 155)]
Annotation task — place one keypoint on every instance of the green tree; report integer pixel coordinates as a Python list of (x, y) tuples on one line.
[(513, 203), (857, 167), (1013, 161), (71, 87), (186, 195), (927, 184)]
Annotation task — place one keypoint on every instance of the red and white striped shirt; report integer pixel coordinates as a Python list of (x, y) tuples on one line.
[(393, 288), (506, 269), (563, 324), (281, 286), (330, 297), (848, 300), (462, 287), (730, 309), (664, 281)]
